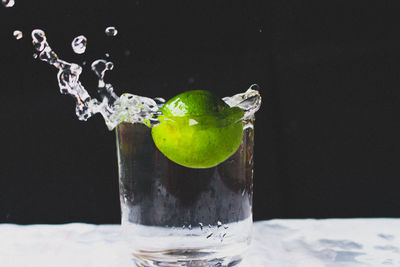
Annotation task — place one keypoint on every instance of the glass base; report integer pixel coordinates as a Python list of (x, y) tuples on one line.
[(187, 258)]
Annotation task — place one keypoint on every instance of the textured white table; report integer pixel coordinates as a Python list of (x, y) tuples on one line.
[(276, 243)]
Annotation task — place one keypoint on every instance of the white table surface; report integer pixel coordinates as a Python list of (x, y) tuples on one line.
[(276, 243)]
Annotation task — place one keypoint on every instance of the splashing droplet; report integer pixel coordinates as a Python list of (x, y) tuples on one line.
[(8, 3), (201, 226), (17, 34), (106, 90), (109, 65), (38, 40), (219, 224), (126, 108), (111, 31), (79, 44), (249, 101)]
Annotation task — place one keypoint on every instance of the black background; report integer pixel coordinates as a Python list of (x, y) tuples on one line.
[(327, 135)]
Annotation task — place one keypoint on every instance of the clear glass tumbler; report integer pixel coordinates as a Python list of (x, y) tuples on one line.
[(178, 216)]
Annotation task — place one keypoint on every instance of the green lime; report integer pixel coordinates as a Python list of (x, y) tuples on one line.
[(198, 130)]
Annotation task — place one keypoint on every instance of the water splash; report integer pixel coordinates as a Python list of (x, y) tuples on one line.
[(8, 3), (18, 34), (111, 31), (79, 44), (129, 108), (249, 101), (117, 109), (106, 90)]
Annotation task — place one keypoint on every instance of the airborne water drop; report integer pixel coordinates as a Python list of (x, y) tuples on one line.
[(111, 31), (17, 34), (8, 3), (79, 44)]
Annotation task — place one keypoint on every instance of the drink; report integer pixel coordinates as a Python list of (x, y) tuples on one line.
[(178, 215)]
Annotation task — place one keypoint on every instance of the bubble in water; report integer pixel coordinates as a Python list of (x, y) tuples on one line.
[(17, 34), (109, 65), (8, 3), (111, 31), (79, 44)]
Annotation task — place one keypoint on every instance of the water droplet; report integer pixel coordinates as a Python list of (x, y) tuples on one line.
[(39, 40), (209, 235), (109, 65), (255, 87), (183, 226), (99, 67), (17, 34), (79, 44), (107, 55), (111, 31), (225, 226), (35, 55), (190, 227), (219, 224), (8, 3), (84, 63), (201, 226)]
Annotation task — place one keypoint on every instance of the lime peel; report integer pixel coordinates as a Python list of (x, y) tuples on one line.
[(198, 130)]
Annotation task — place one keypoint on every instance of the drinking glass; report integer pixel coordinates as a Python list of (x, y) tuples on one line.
[(178, 216)]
